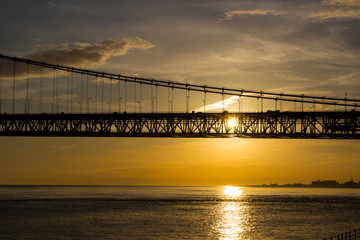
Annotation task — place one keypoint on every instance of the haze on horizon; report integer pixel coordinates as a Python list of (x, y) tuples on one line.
[(302, 47)]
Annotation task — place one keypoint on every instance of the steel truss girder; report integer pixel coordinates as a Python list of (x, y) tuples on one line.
[(271, 124)]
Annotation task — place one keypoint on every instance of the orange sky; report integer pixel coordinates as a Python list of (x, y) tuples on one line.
[(300, 47), (173, 161)]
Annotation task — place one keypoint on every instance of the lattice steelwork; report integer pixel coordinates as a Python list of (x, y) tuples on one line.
[(270, 124)]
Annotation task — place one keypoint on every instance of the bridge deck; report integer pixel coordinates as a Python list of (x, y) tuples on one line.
[(271, 124)]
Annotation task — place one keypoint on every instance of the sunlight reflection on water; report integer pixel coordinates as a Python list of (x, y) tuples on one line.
[(232, 192), (153, 212), (232, 215)]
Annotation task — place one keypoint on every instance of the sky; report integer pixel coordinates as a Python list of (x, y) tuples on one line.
[(292, 46)]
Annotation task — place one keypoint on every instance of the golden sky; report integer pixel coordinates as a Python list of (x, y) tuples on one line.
[(301, 47), (174, 161)]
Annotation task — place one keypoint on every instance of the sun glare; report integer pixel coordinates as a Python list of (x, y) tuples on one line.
[(232, 122), (232, 191)]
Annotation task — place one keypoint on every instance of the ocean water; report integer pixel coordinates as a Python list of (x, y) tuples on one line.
[(157, 212)]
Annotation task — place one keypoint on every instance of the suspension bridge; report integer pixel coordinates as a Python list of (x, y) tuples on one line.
[(44, 99)]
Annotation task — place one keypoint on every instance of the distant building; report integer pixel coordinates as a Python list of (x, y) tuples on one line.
[(316, 184), (350, 183), (326, 183)]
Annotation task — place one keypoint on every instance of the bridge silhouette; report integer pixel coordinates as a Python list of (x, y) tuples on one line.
[(44, 99)]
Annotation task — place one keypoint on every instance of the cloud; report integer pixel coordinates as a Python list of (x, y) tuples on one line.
[(72, 7), (337, 13), (347, 3), (291, 77), (343, 80), (231, 14), (219, 105), (64, 148), (87, 55), (326, 87), (53, 5), (79, 54), (339, 9)]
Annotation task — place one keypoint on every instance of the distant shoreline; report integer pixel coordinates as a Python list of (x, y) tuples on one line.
[(304, 186), (314, 184)]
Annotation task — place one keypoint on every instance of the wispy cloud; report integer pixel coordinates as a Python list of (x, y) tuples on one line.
[(337, 13), (81, 54), (343, 80), (229, 15), (53, 5), (339, 9), (219, 105), (60, 149), (347, 3), (72, 7), (326, 87), (291, 77)]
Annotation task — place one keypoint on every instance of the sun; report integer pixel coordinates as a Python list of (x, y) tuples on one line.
[(232, 123)]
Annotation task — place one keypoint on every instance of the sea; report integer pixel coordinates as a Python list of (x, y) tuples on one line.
[(176, 212)]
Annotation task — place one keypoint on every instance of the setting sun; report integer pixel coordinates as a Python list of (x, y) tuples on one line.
[(232, 122)]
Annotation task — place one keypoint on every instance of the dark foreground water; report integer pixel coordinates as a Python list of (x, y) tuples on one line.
[(118, 212)]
